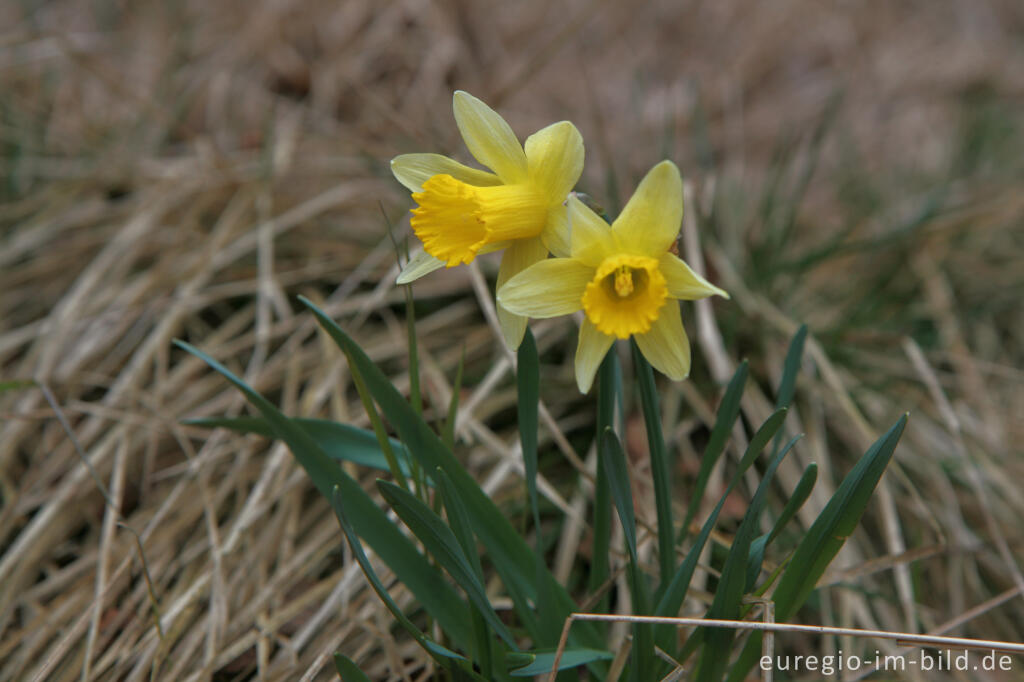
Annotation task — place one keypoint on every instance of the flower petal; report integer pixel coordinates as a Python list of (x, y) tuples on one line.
[(520, 255), (549, 288), (683, 282), (591, 237), (412, 170), (650, 221), (592, 348), (421, 263), (556, 232), (489, 138), (665, 346), (555, 160)]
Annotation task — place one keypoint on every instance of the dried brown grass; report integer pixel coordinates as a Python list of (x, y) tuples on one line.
[(184, 169)]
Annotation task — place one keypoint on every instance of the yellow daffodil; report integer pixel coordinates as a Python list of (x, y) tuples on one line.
[(624, 278), (519, 207)]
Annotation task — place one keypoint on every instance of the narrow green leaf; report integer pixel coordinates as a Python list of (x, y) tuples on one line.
[(791, 367), (509, 553), (448, 433), (661, 468), (440, 542), (438, 652), (728, 601), (800, 494), (368, 520), (16, 385), (728, 412), (348, 671), (458, 519), (338, 441), (601, 545), (825, 538), (673, 596), (618, 480), (540, 662), (528, 399)]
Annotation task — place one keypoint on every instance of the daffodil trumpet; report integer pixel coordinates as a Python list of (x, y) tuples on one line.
[(517, 206), (623, 276)]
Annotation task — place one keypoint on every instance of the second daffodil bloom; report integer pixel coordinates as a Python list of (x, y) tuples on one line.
[(623, 277), (518, 207)]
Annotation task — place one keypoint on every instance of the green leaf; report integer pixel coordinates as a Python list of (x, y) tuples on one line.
[(618, 481), (728, 412), (728, 602), (607, 390), (448, 433), (438, 652), (440, 542), (509, 553), (348, 671), (458, 519), (675, 593), (338, 441), (16, 385), (661, 468), (528, 399), (787, 385), (368, 520), (800, 494), (540, 662), (825, 538)]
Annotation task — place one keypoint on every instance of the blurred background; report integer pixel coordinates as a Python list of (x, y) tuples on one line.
[(185, 169)]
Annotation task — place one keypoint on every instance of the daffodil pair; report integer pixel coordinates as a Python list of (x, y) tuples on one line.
[(623, 276)]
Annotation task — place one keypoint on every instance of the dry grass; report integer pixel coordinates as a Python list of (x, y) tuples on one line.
[(184, 169)]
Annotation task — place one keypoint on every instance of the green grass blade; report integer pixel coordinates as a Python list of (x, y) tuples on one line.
[(728, 601), (528, 398), (618, 482), (368, 520), (825, 538), (791, 367), (509, 553), (347, 670), (338, 441), (728, 412), (441, 543), (661, 468), (800, 494), (458, 520), (601, 545), (673, 596), (448, 432), (440, 653), (531, 663)]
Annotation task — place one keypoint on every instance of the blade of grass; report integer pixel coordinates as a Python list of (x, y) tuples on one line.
[(824, 539), (800, 494), (675, 593), (728, 412), (412, 569), (441, 543), (338, 441), (448, 432), (347, 670), (661, 469), (458, 520), (599, 564), (728, 601), (528, 398), (439, 653), (532, 663), (509, 553)]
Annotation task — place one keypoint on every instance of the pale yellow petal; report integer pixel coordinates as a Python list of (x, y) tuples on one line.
[(665, 346), (489, 138), (651, 219), (556, 232), (420, 263), (592, 348), (683, 282), (591, 237), (549, 288), (412, 170), (520, 254), (555, 159)]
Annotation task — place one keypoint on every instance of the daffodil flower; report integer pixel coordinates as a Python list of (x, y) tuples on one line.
[(623, 277), (518, 207)]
